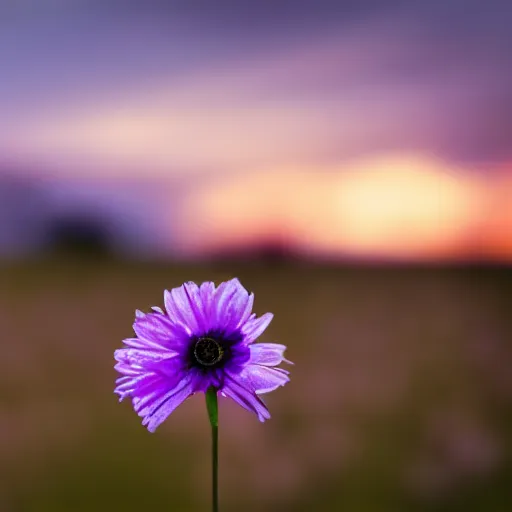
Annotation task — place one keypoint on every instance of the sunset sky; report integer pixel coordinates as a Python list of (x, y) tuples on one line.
[(341, 127)]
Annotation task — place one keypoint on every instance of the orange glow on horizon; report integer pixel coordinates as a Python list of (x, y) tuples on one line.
[(496, 222), (405, 208), (391, 208)]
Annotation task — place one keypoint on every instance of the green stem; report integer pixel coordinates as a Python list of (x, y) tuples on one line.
[(215, 487), (213, 414)]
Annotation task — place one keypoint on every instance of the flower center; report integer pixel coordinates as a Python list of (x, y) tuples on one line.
[(208, 351)]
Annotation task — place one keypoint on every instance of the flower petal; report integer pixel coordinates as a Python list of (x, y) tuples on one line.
[(158, 332), (151, 397), (254, 327), (232, 306), (130, 385), (184, 305), (267, 354), (165, 405), (245, 398), (246, 313), (137, 356), (207, 295), (143, 344), (147, 394), (127, 369), (263, 379)]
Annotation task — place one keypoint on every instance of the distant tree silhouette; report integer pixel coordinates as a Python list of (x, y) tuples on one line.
[(78, 235), (269, 253)]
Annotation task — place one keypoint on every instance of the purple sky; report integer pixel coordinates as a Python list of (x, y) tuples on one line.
[(240, 85)]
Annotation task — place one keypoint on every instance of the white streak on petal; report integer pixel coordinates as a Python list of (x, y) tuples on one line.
[(255, 327), (246, 398), (170, 401), (263, 379), (267, 354)]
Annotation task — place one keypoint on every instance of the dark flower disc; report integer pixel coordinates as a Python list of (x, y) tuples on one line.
[(208, 351)]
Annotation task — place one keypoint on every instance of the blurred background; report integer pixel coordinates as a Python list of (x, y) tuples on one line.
[(349, 161)]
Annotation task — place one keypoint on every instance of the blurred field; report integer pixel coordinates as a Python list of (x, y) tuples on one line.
[(400, 397)]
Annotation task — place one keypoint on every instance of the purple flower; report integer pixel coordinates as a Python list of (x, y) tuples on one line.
[(204, 338)]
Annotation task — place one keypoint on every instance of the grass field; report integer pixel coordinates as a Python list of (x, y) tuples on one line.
[(400, 397)]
